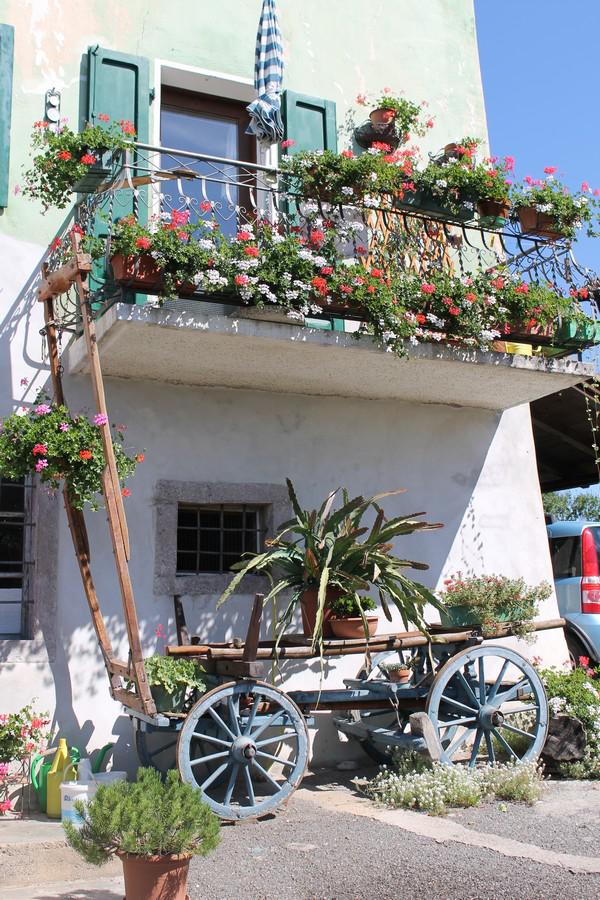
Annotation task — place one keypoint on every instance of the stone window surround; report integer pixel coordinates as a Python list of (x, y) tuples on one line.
[(169, 494)]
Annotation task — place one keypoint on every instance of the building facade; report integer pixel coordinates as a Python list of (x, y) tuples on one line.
[(226, 408)]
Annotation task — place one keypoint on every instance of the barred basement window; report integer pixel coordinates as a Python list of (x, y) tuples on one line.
[(212, 538), (14, 506)]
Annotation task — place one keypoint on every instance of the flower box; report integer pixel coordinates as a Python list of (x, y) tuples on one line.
[(578, 335), (493, 213), (464, 615), (95, 175), (425, 201), (531, 334), (538, 223), (340, 307), (142, 274)]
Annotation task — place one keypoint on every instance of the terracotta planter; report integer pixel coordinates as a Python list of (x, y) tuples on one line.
[(538, 223), (142, 273), (382, 116), (525, 332), (494, 213), (339, 307), (451, 151), (353, 628), (155, 877), (308, 607), (399, 676)]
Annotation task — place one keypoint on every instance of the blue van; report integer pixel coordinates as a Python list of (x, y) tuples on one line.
[(575, 552)]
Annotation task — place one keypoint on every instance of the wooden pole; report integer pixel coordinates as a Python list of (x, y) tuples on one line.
[(112, 496)]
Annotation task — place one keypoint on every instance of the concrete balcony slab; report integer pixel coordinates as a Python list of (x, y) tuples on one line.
[(191, 347)]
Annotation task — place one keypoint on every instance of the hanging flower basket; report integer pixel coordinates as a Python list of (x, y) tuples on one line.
[(382, 116), (95, 174), (533, 222)]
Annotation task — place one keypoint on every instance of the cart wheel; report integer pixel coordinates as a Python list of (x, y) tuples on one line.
[(257, 726), (157, 748), (376, 718), (488, 704)]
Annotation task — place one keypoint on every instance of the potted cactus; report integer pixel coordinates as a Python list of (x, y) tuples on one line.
[(153, 826)]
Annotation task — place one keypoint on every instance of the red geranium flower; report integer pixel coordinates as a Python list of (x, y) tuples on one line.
[(427, 288), (40, 450), (143, 243), (251, 251), (126, 492), (64, 155), (127, 127), (87, 159), (85, 454)]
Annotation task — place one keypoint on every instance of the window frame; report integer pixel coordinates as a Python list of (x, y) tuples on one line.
[(169, 495), (23, 518), (222, 529)]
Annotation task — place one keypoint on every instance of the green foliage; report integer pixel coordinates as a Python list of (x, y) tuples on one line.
[(576, 692), (408, 113), (570, 211), (434, 788), (458, 179), (20, 733), (570, 507), (49, 441), (320, 548), (61, 158), (351, 606), (172, 672), (494, 599), (146, 818)]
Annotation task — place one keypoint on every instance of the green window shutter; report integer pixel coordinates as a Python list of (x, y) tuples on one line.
[(309, 121), (119, 87), (7, 44)]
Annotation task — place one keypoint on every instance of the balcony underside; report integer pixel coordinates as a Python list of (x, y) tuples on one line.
[(186, 346)]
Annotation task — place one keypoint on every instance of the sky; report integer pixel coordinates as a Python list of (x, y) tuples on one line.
[(541, 79)]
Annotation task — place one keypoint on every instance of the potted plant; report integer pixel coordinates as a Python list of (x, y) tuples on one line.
[(349, 617), (170, 679), (547, 208), (399, 672), (319, 551), (21, 734), (405, 114), (490, 601), (65, 161), (51, 442), (153, 826), (166, 258)]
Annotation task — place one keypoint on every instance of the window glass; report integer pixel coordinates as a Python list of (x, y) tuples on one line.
[(566, 556), (12, 531), (213, 538)]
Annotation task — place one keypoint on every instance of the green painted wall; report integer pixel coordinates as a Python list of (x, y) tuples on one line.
[(334, 48)]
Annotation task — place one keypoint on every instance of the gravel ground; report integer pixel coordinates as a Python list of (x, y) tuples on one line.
[(566, 820), (305, 853)]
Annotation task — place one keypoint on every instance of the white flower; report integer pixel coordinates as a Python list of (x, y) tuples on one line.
[(373, 176), (347, 191), (370, 201), (441, 183), (305, 254), (205, 244), (320, 261), (277, 238)]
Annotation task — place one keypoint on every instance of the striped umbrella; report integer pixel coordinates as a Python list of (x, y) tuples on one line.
[(265, 111)]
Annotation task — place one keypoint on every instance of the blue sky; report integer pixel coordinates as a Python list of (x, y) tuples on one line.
[(541, 78)]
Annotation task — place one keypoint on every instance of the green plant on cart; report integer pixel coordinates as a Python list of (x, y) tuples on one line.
[(492, 600), (173, 673), (147, 818), (331, 548)]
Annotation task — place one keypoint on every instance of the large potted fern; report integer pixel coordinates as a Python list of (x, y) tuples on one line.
[(154, 827), (321, 555)]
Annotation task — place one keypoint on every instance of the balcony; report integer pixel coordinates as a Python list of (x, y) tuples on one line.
[(216, 339)]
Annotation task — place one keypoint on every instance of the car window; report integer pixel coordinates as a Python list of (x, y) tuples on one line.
[(566, 556)]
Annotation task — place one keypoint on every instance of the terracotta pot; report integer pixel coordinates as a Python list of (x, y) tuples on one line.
[(451, 151), (340, 307), (142, 272), (382, 116), (155, 877), (353, 628), (495, 210), (533, 222), (399, 676), (308, 607)]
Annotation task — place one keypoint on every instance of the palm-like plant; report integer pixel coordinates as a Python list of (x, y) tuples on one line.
[(321, 548)]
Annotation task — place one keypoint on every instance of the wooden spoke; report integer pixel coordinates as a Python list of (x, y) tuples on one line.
[(213, 776), (217, 718), (211, 740), (454, 722), (504, 743), (498, 681), (249, 785), (253, 711), (505, 696), (481, 680), (475, 749), (490, 747), (276, 759), (211, 756), (277, 739), (457, 705), (468, 688), (232, 780), (268, 724), (458, 743), (234, 714), (265, 775), (515, 730)]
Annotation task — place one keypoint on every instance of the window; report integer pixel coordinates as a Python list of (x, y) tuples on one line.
[(13, 528), (211, 126), (566, 557), (203, 527), (213, 538)]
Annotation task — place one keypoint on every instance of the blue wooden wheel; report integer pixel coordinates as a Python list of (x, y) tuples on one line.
[(244, 745), (488, 705)]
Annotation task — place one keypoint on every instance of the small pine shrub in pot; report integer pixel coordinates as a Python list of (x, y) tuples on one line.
[(154, 827), (349, 617)]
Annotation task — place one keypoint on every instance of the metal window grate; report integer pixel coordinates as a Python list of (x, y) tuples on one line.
[(210, 539)]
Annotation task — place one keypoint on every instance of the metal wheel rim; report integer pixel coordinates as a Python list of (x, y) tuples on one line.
[(237, 769), (483, 708)]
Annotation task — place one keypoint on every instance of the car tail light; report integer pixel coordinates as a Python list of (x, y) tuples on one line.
[(590, 571)]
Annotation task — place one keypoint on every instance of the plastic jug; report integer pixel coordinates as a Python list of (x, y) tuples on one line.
[(55, 777), (40, 766)]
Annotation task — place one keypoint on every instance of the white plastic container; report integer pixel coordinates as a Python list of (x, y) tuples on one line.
[(70, 791)]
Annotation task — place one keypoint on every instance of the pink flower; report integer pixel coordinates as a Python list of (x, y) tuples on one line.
[(126, 492), (121, 428), (585, 187), (17, 189), (206, 206), (143, 243), (3, 769), (387, 90), (361, 99), (24, 382), (40, 450), (429, 123), (251, 251), (509, 162), (5, 806), (64, 426), (427, 288), (550, 170), (100, 419), (42, 409), (523, 288), (241, 279), (584, 661), (243, 235), (348, 154), (180, 218), (102, 117), (41, 464), (127, 127), (287, 143)]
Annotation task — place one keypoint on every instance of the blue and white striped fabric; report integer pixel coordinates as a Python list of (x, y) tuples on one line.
[(265, 111)]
